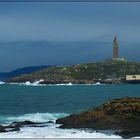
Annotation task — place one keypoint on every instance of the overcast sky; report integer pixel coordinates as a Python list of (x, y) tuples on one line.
[(62, 27)]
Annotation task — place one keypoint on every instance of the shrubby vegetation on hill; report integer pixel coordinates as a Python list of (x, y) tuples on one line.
[(82, 73)]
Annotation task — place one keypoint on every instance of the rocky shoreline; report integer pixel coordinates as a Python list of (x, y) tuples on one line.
[(54, 82), (121, 115), (90, 73), (82, 82)]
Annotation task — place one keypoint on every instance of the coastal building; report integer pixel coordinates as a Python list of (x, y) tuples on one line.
[(116, 50), (131, 79)]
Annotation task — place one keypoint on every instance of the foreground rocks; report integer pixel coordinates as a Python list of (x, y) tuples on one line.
[(15, 126), (121, 115)]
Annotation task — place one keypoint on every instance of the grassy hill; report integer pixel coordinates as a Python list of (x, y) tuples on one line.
[(82, 73)]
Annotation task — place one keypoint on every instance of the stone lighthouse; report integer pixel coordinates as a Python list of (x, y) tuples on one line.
[(115, 49)]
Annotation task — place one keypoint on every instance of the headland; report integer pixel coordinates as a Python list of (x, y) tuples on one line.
[(121, 115), (108, 72)]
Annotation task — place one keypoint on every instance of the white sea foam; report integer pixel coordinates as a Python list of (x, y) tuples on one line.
[(37, 117), (1, 82), (98, 83), (51, 130), (69, 84), (36, 83)]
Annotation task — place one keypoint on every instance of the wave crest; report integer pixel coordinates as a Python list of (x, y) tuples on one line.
[(36, 117)]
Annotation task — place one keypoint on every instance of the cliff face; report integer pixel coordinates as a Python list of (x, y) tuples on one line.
[(83, 73), (118, 114)]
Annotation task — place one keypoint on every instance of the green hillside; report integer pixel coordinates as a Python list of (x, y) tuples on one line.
[(82, 73)]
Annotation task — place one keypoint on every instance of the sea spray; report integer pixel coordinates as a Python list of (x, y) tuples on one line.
[(50, 130), (35, 117)]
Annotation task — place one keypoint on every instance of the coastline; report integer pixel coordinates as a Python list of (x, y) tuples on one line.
[(107, 72), (37, 83), (122, 115), (73, 96), (49, 125)]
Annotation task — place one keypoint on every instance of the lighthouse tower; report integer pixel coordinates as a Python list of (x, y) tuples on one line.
[(115, 49)]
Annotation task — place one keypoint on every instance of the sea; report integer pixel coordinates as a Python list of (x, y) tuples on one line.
[(43, 103)]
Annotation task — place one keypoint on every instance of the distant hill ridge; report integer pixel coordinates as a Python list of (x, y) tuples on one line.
[(20, 71), (81, 73)]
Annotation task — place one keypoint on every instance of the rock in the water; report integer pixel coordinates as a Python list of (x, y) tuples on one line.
[(50, 122), (118, 114), (15, 129), (20, 124), (15, 126), (2, 129), (126, 134)]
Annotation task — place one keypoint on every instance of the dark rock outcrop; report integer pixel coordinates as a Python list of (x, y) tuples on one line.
[(49, 122), (15, 126), (2, 129), (118, 114), (20, 124)]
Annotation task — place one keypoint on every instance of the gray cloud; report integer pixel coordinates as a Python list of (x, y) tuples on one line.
[(66, 33)]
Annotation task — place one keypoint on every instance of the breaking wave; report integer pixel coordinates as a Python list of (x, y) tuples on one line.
[(1, 82), (35, 117), (50, 130), (37, 83), (69, 84)]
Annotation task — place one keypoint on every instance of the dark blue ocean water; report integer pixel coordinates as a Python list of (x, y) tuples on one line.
[(20, 99)]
